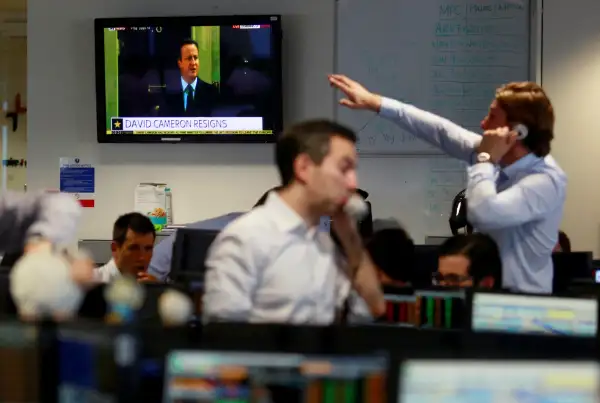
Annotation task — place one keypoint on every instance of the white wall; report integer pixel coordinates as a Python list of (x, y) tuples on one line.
[(571, 75), (13, 80), (207, 180)]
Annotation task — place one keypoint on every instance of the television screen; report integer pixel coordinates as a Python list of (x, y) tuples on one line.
[(512, 313), (484, 381), (189, 79)]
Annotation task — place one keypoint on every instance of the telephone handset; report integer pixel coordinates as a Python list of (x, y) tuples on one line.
[(522, 131)]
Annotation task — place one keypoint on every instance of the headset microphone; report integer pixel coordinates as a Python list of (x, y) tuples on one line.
[(521, 130)]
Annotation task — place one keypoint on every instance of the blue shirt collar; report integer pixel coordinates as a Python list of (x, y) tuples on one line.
[(520, 165)]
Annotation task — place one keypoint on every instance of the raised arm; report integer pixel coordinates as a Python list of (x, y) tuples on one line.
[(451, 138)]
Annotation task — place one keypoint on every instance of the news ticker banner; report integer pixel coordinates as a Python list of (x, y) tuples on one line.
[(191, 132), (196, 125), (78, 178)]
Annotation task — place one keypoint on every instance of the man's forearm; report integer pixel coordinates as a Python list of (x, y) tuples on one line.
[(363, 274), (57, 217)]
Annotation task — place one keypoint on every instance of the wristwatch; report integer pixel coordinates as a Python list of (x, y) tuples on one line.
[(483, 157)]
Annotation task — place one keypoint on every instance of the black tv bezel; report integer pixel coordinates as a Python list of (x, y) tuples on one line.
[(273, 19)]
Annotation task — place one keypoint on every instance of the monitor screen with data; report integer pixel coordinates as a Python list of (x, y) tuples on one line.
[(432, 381), (87, 371), (19, 362), (534, 314), (195, 376)]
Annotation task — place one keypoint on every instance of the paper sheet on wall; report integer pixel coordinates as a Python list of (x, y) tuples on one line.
[(78, 177), (150, 200)]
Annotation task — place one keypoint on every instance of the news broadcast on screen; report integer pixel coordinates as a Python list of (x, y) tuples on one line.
[(195, 79)]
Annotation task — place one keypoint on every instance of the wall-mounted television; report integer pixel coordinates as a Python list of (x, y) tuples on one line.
[(212, 79)]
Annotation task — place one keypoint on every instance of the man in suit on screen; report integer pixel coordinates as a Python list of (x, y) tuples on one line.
[(192, 97)]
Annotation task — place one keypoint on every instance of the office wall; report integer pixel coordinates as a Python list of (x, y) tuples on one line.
[(207, 180), (212, 179), (571, 75), (13, 80)]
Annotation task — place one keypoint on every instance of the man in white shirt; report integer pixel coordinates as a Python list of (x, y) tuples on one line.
[(515, 191), (273, 265), (132, 246)]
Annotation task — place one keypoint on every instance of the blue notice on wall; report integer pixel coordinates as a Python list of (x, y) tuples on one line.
[(76, 176)]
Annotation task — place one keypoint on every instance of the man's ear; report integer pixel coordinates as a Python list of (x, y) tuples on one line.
[(487, 282), (302, 167), (114, 248)]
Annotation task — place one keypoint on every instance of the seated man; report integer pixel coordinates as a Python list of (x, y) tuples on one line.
[(160, 265), (273, 265), (392, 251), (471, 260), (132, 246)]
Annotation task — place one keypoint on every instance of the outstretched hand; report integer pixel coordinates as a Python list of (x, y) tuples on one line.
[(357, 96)]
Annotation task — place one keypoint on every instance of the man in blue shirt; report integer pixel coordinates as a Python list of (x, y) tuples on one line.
[(516, 191)]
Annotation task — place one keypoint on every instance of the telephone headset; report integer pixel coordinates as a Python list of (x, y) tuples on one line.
[(521, 130)]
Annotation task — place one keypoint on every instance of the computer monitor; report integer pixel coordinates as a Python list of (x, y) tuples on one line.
[(570, 266), (436, 307), (87, 370), (197, 376), (514, 313), (189, 254), (19, 363), (427, 381)]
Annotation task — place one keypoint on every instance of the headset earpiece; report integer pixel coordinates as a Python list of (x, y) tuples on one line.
[(521, 130)]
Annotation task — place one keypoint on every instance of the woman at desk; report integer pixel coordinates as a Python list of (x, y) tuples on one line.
[(515, 190)]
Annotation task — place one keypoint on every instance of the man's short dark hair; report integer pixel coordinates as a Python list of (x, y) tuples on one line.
[(136, 222), (482, 252), (311, 137), (392, 250), (263, 198), (185, 42)]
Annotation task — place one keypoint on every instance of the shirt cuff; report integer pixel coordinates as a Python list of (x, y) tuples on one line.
[(390, 107), (483, 170)]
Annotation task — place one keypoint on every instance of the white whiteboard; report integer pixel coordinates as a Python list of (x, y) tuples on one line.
[(447, 57)]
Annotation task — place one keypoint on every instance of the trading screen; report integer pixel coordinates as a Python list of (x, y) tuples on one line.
[(19, 362), (532, 314), (426, 308), (493, 382), (204, 377), (87, 371)]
